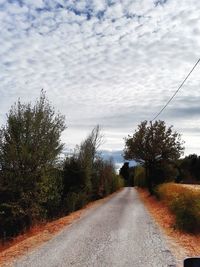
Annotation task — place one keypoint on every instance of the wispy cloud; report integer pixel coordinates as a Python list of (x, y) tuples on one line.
[(110, 62)]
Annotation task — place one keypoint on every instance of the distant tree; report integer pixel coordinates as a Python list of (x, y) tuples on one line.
[(87, 175), (73, 175), (29, 146), (79, 168), (88, 148), (152, 143), (132, 175), (88, 152), (124, 172), (190, 167)]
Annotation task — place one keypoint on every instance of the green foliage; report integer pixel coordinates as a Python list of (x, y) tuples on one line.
[(125, 172), (187, 211), (86, 171), (74, 201), (86, 175), (151, 144), (29, 146), (164, 171), (33, 187), (153, 141), (50, 194), (104, 180), (131, 176), (117, 183), (30, 140), (190, 168), (12, 218), (184, 203), (74, 174), (140, 177)]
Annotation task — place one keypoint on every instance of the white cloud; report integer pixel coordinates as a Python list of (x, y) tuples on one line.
[(109, 62)]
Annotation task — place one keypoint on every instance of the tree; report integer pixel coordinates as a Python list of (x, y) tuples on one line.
[(88, 148), (87, 175), (88, 153), (152, 143), (29, 146), (124, 172), (190, 168), (30, 141), (79, 168)]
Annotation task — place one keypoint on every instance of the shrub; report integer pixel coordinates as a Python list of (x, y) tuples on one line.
[(184, 204), (140, 177), (187, 212), (75, 201), (11, 219), (70, 201), (117, 182), (50, 193), (82, 200)]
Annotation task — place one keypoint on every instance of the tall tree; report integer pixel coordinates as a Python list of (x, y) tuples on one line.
[(153, 142), (78, 169), (29, 146)]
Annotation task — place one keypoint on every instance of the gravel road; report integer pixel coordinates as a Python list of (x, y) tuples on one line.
[(118, 233)]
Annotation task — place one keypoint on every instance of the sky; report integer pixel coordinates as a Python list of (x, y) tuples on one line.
[(108, 62)]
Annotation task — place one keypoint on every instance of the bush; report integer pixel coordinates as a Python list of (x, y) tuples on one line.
[(70, 201), (11, 219), (75, 201), (50, 193), (117, 183), (104, 179), (184, 204), (140, 177)]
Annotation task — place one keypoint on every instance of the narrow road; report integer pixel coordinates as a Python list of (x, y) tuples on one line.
[(118, 233)]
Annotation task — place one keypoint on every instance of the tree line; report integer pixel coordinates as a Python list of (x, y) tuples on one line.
[(35, 183)]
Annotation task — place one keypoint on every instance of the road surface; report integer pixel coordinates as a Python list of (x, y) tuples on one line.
[(118, 233)]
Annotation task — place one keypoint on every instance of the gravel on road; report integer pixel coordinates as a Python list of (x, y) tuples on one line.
[(118, 233)]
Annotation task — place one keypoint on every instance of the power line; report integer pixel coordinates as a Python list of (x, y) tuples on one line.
[(176, 90)]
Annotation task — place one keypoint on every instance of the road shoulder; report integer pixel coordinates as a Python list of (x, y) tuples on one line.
[(182, 244)]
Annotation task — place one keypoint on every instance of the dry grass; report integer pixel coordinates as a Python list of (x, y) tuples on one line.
[(183, 244), (192, 186), (170, 190), (184, 202), (42, 233)]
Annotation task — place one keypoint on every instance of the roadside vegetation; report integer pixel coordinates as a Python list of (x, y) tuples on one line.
[(182, 200), (161, 170), (184, 203), (156, 147), (36, 184)]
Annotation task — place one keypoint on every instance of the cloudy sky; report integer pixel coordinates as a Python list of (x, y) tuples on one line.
[(107, 62)]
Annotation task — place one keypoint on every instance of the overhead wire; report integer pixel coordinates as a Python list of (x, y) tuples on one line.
[(177, 90)]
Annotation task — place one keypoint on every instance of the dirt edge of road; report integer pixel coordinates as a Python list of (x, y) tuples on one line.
[(43, 233), (182, 244)]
